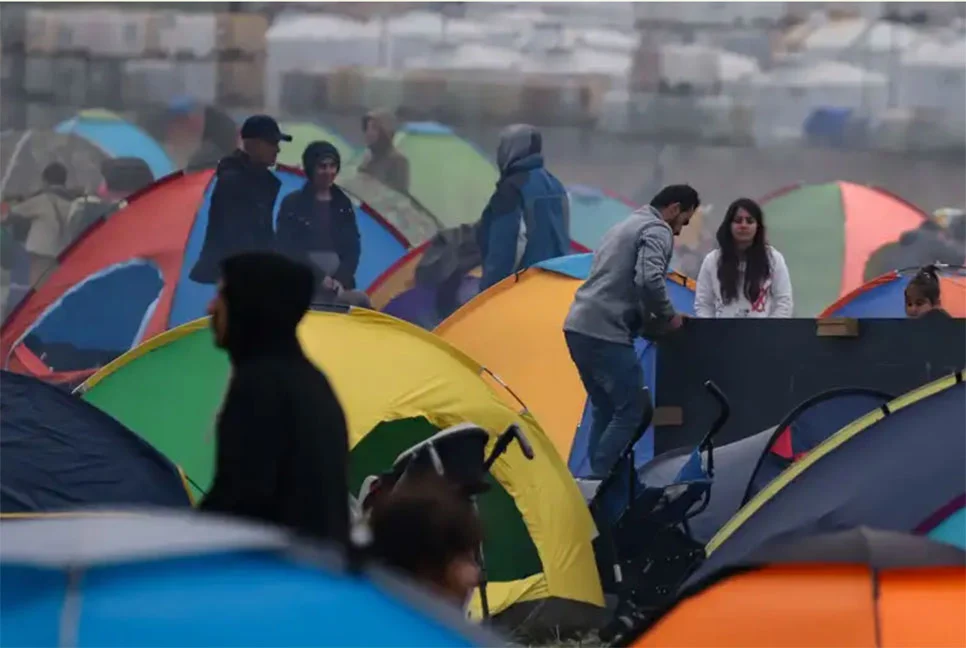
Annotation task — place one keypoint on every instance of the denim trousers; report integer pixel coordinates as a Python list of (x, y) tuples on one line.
[(613, 379)]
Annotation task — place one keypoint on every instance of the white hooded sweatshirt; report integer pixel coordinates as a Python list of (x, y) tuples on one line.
[(775, 300)]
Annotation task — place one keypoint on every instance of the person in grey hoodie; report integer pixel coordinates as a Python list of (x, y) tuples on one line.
[(624, 296)]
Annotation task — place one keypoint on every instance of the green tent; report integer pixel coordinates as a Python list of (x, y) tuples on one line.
[(303, 134), (448, 175)]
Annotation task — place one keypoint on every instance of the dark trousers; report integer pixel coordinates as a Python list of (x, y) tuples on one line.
[(612, 376)]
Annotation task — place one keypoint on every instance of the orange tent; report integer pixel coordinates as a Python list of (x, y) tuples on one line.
[(857, 588)]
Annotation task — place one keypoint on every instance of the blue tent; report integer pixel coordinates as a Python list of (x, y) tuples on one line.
[(898, 468), (58, 452), (593, 212), (118, 138), (681, 292), (165, 579)]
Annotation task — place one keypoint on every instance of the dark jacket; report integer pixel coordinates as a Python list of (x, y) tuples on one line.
[(282, 440), (914, 249), (297, 227), (240, 218), (528, 217)]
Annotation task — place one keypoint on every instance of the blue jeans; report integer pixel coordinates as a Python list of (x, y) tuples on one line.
[(612, 376)]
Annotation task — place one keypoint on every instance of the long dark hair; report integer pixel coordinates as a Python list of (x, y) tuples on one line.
[(757, 264)]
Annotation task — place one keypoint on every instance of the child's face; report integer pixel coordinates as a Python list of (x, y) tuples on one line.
[(916, 304)]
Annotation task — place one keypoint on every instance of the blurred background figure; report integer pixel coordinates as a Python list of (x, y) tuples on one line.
[(382, 160)]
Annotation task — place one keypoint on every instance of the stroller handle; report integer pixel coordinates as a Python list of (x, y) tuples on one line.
[(724, 410), (503, 442)]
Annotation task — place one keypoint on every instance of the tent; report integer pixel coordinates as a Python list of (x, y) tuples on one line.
[(118, 138), (398, 385), (745, 467), (827, 232), (182, 579), (25, 154), (858, 587), (447, 174), (885, 296), (515, 330), (593, 212), (59, 453), (898, 468), (127, 279), (303, 134), (398, 293)]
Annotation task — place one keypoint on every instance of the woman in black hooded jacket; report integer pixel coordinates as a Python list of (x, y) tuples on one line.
[(317, 225)]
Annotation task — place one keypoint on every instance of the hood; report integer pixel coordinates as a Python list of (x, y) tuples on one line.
[(386, 122), (267, 296), (315, 153), (517, 142)]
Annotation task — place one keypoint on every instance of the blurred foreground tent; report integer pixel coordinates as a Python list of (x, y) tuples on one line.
[(538, 530), (885, 296), (118, 138), (853, 587), (514, 330), (827, 232), (127, 280), (179, 579), (58, 453)]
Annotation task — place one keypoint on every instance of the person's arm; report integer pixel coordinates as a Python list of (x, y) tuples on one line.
[(248, 451), (781, 287), (704, 292), (650, 273), (285, 236), (350, 250), (501, 231)]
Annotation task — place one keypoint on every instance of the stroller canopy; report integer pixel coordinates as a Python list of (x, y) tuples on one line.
[(514, 329), (128, 279), (897, 468), (182, 579), (784, 590), (59, 453), (398, 385)]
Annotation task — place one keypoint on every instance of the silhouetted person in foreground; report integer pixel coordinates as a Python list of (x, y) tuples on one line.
[(241, 216), (282, 440)]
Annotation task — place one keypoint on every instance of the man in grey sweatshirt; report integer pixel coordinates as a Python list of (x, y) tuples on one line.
[(624, 295)]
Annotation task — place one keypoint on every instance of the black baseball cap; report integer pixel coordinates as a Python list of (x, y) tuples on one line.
[(263, 127)]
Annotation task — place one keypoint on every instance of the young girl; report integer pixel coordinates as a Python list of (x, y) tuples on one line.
[(923, 295), (744, 277)]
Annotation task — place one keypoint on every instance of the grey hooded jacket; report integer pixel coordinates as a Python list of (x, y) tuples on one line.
[(626, 288)]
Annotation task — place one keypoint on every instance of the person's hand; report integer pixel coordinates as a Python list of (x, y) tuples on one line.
[(331, 284), (676, 322)]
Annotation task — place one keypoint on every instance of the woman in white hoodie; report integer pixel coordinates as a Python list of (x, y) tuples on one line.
[(744, 277)]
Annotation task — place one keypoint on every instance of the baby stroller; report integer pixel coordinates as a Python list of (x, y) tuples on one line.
[(645, 548), (459, 455)]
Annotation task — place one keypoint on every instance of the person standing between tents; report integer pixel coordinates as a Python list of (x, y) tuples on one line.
[(624, 296), (317, 226), (382, 160), (528, 217), (744, 277), (282, 442), (45, 220), (241, 215), (123, 177)]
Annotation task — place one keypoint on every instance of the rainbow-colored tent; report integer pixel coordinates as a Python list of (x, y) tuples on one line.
[(885, 296), (127, 279), (827, 232)]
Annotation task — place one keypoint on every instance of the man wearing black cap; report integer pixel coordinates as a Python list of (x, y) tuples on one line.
[(317, 226), (242, 204)]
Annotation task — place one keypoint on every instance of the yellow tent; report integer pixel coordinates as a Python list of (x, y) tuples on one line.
[(398, 385)]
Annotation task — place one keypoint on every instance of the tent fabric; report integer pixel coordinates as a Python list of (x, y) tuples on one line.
[(539, 545), (520, 319), (885, 296), (826, 594), (827, 232), (118, 138), (303, 134), (25, 154), (593, 212), (405, 213), (890, 469), (269, 591), (128, 279), (447, 174), (59, 453)]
